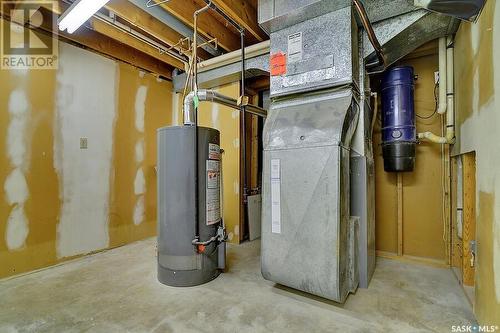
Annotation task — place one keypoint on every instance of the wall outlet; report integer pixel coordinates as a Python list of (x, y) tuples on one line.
[(436, 77), (83, 143)]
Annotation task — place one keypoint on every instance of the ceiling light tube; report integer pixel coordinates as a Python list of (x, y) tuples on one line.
[(79, 12)]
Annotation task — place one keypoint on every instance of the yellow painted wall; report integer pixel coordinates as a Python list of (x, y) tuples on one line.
[(31, 121), (227, 121), (422, 228), (477, 84)]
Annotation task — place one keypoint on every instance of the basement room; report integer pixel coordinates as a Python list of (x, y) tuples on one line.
[(249, 166)]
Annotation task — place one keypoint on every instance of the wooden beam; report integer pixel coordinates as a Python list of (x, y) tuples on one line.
[(208, 25), (114, 49), (400, 214), (111, 31), (244, 14), (120, 36), (455, 242), (107, 46), (469, 216), (141, 19)]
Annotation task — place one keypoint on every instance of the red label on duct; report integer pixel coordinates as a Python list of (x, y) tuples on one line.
[(278, 64)]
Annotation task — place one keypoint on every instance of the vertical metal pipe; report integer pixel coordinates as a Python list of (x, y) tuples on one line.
[(195, 100), (243, 115)]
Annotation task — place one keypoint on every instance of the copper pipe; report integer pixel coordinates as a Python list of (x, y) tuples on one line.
[(360, 8)]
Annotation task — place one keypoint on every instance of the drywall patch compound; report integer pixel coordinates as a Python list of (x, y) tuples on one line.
[(15, 186), (85, 107)]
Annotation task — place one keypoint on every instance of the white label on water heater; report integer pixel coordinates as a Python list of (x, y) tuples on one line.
[(275, 196), (213, 151), (213, 192), (295, 47)]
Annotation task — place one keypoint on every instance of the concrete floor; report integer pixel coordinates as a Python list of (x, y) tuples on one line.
[(117, 291)]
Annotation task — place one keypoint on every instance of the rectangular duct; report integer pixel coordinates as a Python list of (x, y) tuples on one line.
[(308, 240)]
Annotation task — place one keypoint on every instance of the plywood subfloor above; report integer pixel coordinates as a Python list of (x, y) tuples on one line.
[(117, 291)]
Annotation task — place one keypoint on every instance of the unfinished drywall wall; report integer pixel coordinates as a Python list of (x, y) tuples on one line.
[(85, 110), (145, 105), (421, 229), (477, 71), (77, 159)]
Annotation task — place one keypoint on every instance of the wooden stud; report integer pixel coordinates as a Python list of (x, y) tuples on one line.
[(400, 213), (255, 152), (469, 215), (455, 243)]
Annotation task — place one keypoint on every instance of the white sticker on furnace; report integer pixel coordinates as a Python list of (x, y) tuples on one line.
[(294, 53), (213, 192), (275, 196), (213, 151)]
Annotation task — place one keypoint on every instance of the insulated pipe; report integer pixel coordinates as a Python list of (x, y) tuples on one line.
[(449, 138), (189, 113)]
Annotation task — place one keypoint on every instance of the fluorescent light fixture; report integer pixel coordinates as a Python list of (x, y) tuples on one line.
[(79, 12)]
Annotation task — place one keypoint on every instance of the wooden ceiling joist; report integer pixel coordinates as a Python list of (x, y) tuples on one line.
[(141, 19), (111, 31), (121, 36), (244, 14), (208, 25), (150, 35), (114, 49), (105, 45)]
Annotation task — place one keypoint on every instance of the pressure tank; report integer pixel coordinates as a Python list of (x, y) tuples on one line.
[(182, 263), (399, 135)]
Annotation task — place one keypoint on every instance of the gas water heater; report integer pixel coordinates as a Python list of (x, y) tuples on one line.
[(191, 248)]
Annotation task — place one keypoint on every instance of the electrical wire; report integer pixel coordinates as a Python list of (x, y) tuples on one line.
[(436, 105)]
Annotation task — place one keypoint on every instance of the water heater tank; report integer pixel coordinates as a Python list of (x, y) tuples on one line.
[(399, 135), (180, 262)]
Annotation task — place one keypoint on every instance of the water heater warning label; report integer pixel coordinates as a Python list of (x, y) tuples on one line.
[(213, 192), (275, 196), (213, 151)]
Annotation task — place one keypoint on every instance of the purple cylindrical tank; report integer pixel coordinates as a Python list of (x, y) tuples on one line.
[(399, 134)]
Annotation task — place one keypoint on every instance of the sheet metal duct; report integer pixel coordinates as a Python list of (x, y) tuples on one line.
[(309, 238), (309, 241), (468, 10), (400, 26)]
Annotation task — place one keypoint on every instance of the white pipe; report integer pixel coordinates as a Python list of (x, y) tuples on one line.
[(446, 94), (235, 56), (450, 92), (208, 95), (442, 76)]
